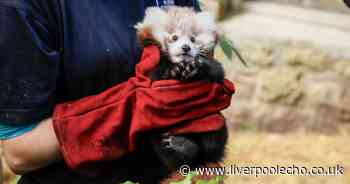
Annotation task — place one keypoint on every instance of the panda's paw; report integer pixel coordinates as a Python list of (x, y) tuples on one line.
[(190, 68), (175, 71), (183, 147), (167, 142)]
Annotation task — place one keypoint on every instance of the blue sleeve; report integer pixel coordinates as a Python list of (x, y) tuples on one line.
[(12, 131), (28, 68)]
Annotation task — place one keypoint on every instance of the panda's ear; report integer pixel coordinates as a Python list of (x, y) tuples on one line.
[(144, 34), (148, 34), (154, 22), (155, 16), (155, 12)]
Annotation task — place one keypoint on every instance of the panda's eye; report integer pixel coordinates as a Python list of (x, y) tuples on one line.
[(174, 38), (193, 39)]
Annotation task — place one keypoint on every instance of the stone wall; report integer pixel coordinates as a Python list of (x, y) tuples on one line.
[(290, 87)]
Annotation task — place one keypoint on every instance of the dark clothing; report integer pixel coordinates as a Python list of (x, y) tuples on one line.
[(54, 51), (59, 50)]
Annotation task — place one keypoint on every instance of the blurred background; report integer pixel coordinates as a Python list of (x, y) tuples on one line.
[(292, 104)]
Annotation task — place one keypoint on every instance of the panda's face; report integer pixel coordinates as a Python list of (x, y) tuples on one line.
[(181, 46)]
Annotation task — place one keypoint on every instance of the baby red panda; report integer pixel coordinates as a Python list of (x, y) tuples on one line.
[(187, 40)]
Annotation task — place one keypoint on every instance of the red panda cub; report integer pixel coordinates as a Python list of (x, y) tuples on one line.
[(187, 40)]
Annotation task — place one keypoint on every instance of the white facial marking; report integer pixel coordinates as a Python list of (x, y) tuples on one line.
[(180, 46), (181, 32)]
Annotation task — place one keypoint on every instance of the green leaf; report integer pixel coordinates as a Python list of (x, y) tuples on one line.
[(187, 180), (216, 180), (228, 48), (129, 182), (238, 54)]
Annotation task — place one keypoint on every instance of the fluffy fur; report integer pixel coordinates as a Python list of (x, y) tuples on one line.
[(187, 40)]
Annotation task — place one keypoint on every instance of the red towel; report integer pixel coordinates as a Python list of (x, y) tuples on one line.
[(108, 125)]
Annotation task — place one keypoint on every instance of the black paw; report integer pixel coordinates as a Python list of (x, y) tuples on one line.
[(190, 68), (175, 71), (183, 148), (184, 70)]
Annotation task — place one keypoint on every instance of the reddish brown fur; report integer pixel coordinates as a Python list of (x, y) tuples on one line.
[(145, 34)]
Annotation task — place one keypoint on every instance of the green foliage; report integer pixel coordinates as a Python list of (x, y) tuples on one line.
[(227, 45), (229, 49), (216, 180), (129, 182), (189, 178)]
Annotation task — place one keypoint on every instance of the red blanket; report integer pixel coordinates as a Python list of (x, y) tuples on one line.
[(108, 125)]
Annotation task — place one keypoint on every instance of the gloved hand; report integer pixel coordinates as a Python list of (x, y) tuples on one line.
[(108, 125)]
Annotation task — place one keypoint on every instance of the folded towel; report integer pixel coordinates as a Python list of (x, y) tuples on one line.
[(109, 125)]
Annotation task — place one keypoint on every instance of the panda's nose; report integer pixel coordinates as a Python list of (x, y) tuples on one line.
[(186, 48)]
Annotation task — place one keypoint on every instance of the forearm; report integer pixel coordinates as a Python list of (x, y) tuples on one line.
[(32, 150)]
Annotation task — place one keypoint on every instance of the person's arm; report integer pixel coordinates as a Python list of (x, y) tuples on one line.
[(28, 73), (32, 150)]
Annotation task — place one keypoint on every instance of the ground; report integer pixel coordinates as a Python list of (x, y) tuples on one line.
[(309, 150)]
